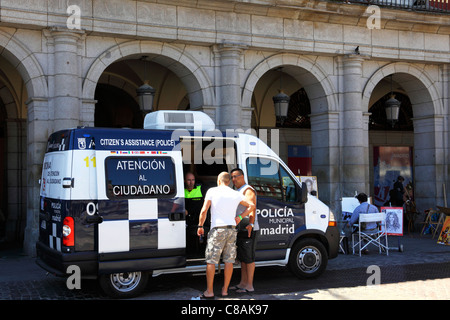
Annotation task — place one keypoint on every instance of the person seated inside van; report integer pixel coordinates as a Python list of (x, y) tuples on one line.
[(193, 196)]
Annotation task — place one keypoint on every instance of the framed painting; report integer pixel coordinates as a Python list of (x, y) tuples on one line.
[(311, 184), (394, 220)]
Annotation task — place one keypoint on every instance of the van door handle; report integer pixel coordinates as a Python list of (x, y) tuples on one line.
[(176, 216), (94, 219), (68, 182)]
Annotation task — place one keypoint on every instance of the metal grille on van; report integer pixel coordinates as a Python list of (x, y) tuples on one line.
[(174, 120), (171, 117), (171, 120)]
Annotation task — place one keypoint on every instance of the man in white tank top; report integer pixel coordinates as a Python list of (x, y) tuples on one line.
[(222, 237), (246, 239)]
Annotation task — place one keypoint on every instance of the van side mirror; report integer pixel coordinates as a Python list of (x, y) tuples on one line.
[(302, 194)]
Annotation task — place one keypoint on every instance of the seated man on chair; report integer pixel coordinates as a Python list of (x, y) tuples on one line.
[(363, 208)]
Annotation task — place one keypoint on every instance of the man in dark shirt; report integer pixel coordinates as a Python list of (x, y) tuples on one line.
[(193, 197)]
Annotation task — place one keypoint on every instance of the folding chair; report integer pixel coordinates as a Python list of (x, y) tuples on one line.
[(411, 214), (374, 236)]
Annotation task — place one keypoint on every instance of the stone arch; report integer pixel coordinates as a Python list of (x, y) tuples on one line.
[(324, 115), (9, 99), (416, 82), (428, 119), (307, 72), (190, 72), (29, 69), (26, 64)]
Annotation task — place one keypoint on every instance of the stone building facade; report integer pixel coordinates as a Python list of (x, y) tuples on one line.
[(225, 58)]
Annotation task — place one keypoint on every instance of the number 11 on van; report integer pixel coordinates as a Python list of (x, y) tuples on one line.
[(92, 160)]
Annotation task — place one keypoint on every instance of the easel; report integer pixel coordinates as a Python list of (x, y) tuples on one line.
[(398, 234), (429, 222), (348, 205), (443, 211)]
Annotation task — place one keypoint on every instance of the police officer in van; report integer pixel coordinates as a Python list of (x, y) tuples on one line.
[(193, 196)]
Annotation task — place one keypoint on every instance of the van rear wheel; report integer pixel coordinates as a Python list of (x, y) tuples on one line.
[(124, 285), (308, 259)]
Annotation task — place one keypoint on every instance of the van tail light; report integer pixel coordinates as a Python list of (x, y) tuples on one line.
[(332, 222), (68, 232)]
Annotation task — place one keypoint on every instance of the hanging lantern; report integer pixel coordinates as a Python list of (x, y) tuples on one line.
[(392, 108), (281, 104), (145, 95)]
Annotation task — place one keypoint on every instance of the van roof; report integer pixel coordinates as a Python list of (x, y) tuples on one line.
[(124, 139)]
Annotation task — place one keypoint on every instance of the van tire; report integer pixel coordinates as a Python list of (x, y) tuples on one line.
[(308, 258), (124, 285)]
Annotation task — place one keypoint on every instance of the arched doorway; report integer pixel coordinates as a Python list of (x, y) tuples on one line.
[(392, 147), (425, 142), (116, 108), (116, 96), (179, 80), (24, 92), (302, 79), (13, 151)]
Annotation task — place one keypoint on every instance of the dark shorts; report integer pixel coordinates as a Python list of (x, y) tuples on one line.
[(246, 247)]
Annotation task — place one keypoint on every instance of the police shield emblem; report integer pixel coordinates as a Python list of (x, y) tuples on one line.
[(81, 143)]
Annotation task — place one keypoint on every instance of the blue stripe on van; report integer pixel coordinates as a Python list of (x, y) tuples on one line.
[(115, 139)]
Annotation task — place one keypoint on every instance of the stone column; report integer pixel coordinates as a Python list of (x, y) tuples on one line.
[(60, 110), (65, 74), (355, 155), (429, 161), (228, 88), (87, 114), (37, 136), (325, 156), (16, 148), (446, 103)]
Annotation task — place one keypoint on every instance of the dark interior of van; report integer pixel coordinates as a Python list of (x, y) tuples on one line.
[(205, 159)]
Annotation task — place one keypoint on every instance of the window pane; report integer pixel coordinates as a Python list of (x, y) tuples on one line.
[(264, 177), (288, 185)]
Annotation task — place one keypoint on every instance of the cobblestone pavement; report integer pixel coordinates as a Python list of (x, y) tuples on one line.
[(421, 271)]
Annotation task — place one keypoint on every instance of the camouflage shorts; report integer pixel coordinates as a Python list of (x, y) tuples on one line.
[(221, 240)]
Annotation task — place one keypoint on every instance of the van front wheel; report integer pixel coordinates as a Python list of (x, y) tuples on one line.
[(308, 258), (124, 285)]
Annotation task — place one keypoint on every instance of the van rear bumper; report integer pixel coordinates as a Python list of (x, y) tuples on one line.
[(56, 262), (92, 264)]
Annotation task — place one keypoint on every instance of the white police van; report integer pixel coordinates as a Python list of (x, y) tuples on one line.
[(112, 201)]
